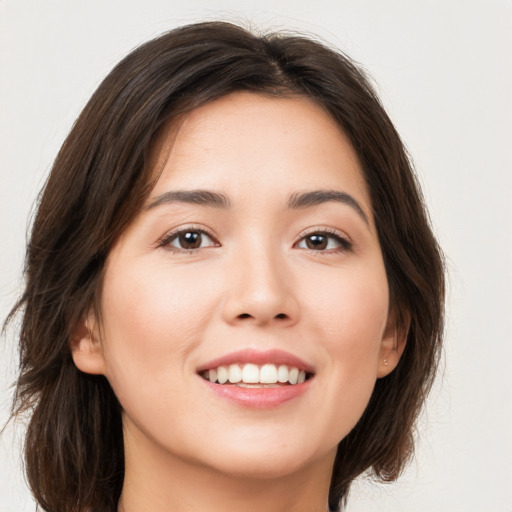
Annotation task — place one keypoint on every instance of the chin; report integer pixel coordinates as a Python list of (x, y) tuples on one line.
[(263, 466), (267, 459)]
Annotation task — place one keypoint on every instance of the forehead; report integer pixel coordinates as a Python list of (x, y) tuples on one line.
[(251, 142)]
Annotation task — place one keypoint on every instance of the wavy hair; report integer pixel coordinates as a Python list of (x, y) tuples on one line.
[(99, 181)]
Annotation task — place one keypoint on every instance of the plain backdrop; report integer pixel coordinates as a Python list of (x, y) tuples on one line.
[(444, 72)]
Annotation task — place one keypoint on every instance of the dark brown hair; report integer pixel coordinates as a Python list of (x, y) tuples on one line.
[(99, 181)]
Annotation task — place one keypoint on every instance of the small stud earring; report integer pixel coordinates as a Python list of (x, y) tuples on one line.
[(385, 362)]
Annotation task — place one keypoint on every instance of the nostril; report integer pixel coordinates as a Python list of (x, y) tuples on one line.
[(280, 316)]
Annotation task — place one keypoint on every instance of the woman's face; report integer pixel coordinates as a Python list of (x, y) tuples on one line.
[(255, 258)]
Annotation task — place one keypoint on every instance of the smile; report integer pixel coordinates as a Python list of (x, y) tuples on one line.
[(253, 375), (257, 379)]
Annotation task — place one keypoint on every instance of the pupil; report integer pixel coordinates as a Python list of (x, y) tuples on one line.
[(190, 240), (316, 242)]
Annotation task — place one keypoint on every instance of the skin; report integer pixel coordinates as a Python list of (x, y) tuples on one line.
[(253, 282)]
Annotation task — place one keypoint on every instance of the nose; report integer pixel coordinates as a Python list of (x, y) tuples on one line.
[(260, 292)]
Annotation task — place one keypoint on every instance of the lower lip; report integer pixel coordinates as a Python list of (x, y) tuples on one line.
[(258, 398)]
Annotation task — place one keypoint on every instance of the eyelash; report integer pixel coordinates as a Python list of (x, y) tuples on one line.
[(345, 245), (168, 238)]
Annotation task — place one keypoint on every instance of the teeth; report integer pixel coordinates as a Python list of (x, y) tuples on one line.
[(254, 374), (235, 373), (293, 376), (282, 373), (268, 374), (250, 374), (222, 374)]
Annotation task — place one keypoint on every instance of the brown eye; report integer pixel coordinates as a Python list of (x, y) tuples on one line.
[(324, 241), (316, 242), (188, 240)]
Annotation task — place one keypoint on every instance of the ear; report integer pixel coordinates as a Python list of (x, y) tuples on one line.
[(392, 345), (86, 347)]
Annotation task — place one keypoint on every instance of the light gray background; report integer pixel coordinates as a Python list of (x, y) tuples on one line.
[(444, 70)]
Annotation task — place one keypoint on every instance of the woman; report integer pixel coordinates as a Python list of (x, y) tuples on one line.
[(233, 296)]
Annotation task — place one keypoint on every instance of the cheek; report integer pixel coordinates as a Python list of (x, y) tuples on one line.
[(351, 317), (351, 308), (151, 323)]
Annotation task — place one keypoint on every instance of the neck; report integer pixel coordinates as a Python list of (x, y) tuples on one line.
[(159, 482)]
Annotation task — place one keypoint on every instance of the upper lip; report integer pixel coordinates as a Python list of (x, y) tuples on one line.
[(277, 357)]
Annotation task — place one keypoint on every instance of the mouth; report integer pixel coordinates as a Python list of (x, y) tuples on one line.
[(250, 375), (251, 378), (258, 379)]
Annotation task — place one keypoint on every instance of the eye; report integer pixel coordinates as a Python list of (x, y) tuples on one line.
[(324, 241), (187, 240)]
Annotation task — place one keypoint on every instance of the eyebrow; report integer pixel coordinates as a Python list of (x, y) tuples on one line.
[(200, 197), (296, 201), (316, 197)]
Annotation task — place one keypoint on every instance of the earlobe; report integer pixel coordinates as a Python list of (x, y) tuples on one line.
[(86, 347), (392, 347)]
